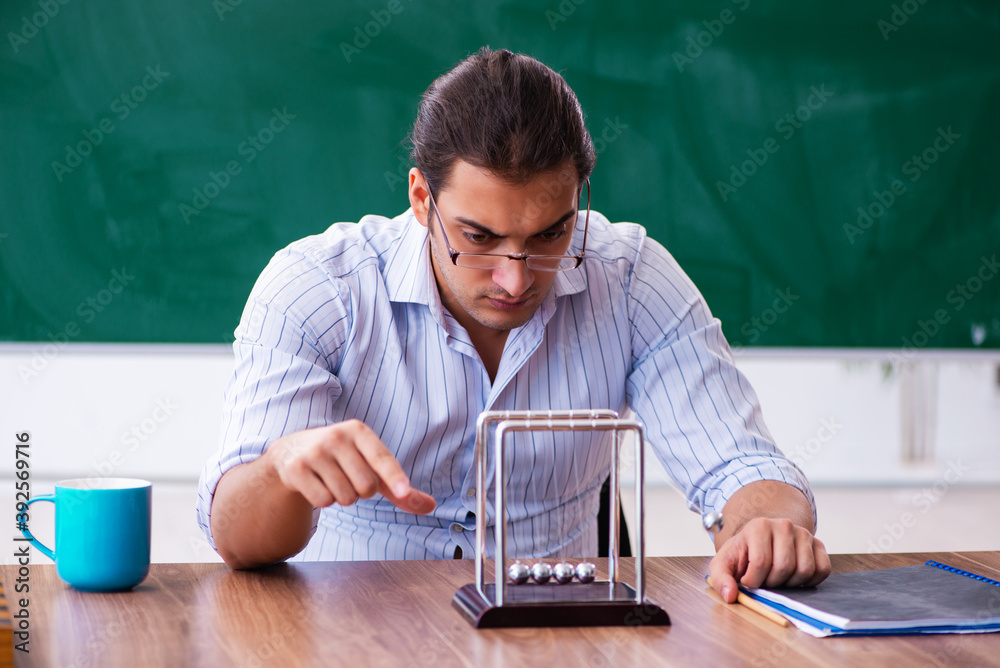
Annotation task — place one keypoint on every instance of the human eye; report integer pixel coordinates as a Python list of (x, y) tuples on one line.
[(477, 238), (552, 235)]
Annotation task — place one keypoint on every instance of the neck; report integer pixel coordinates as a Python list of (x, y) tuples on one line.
[(488, 342)]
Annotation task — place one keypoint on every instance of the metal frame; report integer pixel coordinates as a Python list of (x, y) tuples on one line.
[(574, 420)]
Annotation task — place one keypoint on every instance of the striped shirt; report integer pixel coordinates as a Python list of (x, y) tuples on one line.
[(349, 324)]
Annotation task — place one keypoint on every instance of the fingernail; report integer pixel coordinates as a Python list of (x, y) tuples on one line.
[(400, 489), (725, 593)]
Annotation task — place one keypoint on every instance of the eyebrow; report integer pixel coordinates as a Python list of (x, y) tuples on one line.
[(485, 230)]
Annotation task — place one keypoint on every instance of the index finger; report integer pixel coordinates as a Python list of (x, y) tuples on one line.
[(727, 566), (414, 502), (721, 579), (393, 483), (381, 461)]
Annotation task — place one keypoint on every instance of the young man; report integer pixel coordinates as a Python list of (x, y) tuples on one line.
[(366, 353)]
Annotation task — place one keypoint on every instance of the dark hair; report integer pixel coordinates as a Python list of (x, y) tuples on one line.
[(505, 112)]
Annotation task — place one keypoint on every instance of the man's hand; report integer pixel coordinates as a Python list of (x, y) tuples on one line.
[(262, 511), (768, 553), (342, 463), (767, 541)]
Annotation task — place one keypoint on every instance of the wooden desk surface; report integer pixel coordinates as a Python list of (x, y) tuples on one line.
[(399, 613)]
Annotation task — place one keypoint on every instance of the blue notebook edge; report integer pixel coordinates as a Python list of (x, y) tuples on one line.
[(826, 630)]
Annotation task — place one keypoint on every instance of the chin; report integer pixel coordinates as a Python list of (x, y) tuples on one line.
[(504, 322)]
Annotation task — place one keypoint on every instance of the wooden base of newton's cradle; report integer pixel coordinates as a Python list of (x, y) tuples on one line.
[(551, 605)]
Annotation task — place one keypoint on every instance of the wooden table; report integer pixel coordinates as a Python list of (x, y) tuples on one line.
[(399, 614)]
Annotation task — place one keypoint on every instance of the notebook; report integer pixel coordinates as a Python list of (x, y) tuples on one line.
[(925, 598)]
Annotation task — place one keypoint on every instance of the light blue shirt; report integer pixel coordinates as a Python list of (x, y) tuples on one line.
[(349, 324)]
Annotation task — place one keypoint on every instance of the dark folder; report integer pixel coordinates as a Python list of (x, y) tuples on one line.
[(928, 598)]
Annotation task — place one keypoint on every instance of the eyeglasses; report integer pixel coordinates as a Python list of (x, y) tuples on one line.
[(497, 260)]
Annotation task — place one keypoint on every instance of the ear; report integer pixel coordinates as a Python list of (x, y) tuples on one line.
[(419, 196)]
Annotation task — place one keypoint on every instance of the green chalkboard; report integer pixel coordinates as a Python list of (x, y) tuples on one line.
[(826, 174)]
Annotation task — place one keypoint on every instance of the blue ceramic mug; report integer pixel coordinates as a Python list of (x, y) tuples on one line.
[(102, 532)]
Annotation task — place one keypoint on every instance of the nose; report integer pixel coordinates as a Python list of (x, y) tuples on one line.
[(514, 277)]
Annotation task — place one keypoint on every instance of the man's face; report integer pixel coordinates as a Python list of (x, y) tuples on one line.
[(482, 214)]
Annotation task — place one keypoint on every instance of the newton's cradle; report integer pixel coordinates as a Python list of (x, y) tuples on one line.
[(563, 594)]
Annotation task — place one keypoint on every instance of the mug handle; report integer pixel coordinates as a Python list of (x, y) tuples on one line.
[(27, 534)]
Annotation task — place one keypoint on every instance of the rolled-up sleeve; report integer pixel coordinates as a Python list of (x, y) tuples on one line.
[(284, 381), (701, 415)]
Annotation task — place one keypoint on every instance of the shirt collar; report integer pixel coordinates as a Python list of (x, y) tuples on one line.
[(409, 276), (568, 282), (573, 281)]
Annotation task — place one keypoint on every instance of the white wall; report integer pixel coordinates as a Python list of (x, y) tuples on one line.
[(845, 420), (153, 411), (142, 411)]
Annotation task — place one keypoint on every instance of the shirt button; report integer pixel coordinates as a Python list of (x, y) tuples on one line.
[(472, 491), (459, 528)]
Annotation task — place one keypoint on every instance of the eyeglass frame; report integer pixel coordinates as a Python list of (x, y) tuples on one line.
[(454, 254)]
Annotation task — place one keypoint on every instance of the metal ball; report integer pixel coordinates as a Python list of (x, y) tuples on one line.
[(518, 573), (541, 572), (585, 571), (563, 572)]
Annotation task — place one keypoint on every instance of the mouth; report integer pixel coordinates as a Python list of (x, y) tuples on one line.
[(504, 305)]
